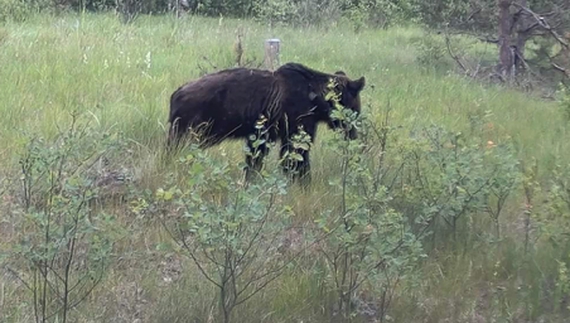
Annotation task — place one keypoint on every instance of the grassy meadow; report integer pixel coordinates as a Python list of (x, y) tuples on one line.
[(121, 77)]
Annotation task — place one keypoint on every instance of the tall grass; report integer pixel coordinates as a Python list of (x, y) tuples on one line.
[(123, 75)]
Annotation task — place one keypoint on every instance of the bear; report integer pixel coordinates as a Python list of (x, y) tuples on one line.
[(228, 104)]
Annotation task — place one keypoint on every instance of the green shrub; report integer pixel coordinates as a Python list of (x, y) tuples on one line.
[(14, 10), (275, 11), (231, 229), (432, 51), (65, 243), (370, 246), (231, 8)]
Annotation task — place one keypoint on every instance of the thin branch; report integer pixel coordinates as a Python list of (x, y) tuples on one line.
[(278, 268), (544, 24), (259, 229), (472, 15), (529, 28), (13, 272), (453, 55), (560, 69), (191, 253), (94, 284)]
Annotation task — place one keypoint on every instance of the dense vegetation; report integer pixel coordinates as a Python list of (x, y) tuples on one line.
[(452, 205)]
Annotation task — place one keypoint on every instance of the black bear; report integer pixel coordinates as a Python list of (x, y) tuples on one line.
[(229, 104)]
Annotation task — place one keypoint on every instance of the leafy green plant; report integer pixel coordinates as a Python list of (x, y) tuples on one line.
[(562, 284), (455, 177), (532, 189), (65, 244), (275, 11), (506, 180), (297, 12), (431, 51), (15, 10), (554, 217), (370, 243), (230, 229)]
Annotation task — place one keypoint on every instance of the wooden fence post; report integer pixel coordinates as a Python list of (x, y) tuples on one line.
[(272, 47)]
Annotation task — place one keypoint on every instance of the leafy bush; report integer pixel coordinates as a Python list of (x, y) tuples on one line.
[(455, 14), (275, 11), (377, 13), (294, 12), (231, 229), (370, 246), (432, 51), (15, 10), (451, 177), (232, 8), (555, 218), (65, 243)]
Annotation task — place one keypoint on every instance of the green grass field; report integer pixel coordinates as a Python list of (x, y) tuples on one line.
[(122, 76)]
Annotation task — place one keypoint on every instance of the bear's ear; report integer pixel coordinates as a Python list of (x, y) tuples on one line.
[(358, 85), (340, 73)]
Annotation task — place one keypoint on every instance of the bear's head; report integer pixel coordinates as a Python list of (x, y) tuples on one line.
[(349, 97)]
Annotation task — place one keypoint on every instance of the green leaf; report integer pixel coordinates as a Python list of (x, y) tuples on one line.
[(296, 156), (258, 143), (167, 196), (301, 145)]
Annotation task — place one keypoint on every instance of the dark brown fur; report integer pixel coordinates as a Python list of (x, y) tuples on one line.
[(230, 102)]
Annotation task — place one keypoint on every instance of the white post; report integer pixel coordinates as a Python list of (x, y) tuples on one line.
[(272, 47)]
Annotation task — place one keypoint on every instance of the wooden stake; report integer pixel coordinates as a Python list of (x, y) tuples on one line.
[(272, 47)]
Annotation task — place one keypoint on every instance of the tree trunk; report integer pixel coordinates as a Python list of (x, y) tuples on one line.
[(506, 57), (522, 36)]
